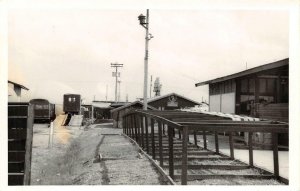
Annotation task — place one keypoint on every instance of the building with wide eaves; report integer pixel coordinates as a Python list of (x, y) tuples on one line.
[(261, 92)]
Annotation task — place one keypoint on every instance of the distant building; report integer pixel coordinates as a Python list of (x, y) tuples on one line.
[(15, 91), (171, 101), (101, 109), (261, 92), (117, 113)]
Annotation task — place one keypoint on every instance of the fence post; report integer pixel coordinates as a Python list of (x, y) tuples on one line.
[(179, 133), (147, 134), (137, 125), (195, 138), (171, 160), (161, 160), (184, 156), (204, 140), (250, 148), (152, 138), (275, 154), (142, 130), (50, 143), (135, 128), (216, 142), (231, 145)]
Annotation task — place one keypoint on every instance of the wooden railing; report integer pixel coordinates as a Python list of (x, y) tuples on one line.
[(20, 132), (186, 123)]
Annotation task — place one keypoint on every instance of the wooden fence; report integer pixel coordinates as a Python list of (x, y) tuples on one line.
[(136, 125), (20, 130)]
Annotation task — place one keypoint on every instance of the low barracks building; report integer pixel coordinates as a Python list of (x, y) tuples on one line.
[(261, 92)]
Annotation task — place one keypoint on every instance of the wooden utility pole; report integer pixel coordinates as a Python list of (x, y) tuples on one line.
[(116, 74)]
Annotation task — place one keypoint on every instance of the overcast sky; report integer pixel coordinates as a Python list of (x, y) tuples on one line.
[(58, 51)]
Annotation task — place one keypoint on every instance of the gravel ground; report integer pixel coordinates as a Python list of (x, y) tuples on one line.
[(74, 158)]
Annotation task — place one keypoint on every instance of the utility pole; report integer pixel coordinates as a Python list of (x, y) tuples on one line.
[(144, 21), (116, 74), (150, 85), (106, 92), (119, 95)]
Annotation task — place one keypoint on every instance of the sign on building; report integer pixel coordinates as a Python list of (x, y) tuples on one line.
[(172, 102)]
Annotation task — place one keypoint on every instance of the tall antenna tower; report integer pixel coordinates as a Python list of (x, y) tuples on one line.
[(157, 87), (116, 74)]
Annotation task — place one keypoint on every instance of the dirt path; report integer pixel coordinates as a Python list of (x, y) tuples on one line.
[(77, 162)]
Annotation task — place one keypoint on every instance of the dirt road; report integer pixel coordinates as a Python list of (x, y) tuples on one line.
[(78, 161)]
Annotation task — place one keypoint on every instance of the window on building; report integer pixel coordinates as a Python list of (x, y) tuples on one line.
[(244, 85), (251, 85), (270, 85), (262, 85)]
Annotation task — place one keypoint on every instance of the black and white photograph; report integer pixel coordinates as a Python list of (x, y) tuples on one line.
[(188, 94)]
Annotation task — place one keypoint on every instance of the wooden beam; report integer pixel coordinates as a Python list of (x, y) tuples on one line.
[(231, 145), (218, 167), (161, 160), (216, 142), (28, 146), (152, 138), (171, 161), (184, 156), (223, 176), (142, 130), (275, 154), (250, 148), (147, 141)]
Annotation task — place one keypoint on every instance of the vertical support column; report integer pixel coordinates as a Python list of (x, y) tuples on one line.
[(275, 154), (137, 124), (152, 138), (184, 166), (135, 128), (161, 160), (28, 145), (171, 160), (142, 130), (204, 140), (164, 129), (216, 142), (250, 148), (147, 134), (131, 127), (231, 145), (195, 138), (179, 133)]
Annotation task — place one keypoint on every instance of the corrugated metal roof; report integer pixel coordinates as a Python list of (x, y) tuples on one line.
[(273, 65)]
